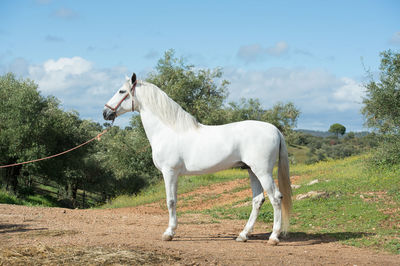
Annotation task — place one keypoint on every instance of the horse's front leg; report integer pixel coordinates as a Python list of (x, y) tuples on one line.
[(171, 184)]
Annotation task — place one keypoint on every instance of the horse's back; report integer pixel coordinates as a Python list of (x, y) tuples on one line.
[(251, 132)]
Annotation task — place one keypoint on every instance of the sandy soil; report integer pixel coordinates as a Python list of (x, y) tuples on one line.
[(129, 236)]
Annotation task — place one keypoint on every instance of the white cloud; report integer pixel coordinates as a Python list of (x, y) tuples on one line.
[(75, 65), (349, 95), (61, 74), (78, 84)]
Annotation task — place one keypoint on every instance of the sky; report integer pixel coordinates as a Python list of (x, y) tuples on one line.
[(315, 54)]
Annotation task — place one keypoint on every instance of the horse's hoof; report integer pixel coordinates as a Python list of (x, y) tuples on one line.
[(242, 238), (273, 242), (167, 237)]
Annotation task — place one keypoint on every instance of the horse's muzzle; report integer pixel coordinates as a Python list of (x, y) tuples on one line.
[(109, 114)]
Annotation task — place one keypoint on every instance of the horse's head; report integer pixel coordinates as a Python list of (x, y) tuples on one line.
[(123, 100)]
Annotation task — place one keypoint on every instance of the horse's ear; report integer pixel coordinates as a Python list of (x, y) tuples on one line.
[(133, 79)]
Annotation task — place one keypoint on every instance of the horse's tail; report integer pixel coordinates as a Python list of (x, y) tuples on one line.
[(284, 184)]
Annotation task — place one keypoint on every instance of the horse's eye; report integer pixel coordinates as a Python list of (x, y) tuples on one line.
[(122, 91)]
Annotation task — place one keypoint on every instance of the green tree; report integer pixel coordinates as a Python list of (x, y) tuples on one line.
[(70, 171), (382, 108), (337, 129), (382, 101), (283, 116), (245, 109), (21, 133)]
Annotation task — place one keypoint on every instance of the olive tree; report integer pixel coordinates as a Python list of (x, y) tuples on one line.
[(382, 108), (22, 137)]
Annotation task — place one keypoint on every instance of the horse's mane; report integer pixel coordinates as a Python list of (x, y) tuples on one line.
[(166, 109)]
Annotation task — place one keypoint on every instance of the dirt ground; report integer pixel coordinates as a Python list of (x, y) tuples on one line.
[(132, 236)]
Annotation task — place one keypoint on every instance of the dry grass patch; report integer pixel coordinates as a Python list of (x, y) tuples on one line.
[(71, 255)]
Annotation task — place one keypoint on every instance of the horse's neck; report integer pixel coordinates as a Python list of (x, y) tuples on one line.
[(152, 125)]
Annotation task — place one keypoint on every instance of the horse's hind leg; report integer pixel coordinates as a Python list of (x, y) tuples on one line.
[(275, 197), (258, 200)]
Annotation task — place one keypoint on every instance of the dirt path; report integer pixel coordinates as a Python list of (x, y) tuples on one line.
[(53, 236)]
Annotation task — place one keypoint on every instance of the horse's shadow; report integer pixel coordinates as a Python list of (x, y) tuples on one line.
[(293, 238), (302, 238)]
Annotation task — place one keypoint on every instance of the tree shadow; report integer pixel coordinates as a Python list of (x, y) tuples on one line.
[(17, 228)]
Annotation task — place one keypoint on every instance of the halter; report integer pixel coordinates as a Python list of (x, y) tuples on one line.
[(131, 92)]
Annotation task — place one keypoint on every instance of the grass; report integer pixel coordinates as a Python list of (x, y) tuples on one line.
[(45, 196), (8, 198), (299, 153), (30, 200)]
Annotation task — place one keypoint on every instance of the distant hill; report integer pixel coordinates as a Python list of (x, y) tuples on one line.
[(315, 133), (325, 134)]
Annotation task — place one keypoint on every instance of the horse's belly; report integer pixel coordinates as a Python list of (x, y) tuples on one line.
[(209, 159), (208, 168)]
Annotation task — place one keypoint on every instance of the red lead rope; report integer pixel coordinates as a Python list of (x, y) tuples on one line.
[(58, 154)]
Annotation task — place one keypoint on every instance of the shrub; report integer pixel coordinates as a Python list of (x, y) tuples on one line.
[(388, 152)]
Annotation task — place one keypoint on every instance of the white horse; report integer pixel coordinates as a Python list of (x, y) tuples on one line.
[(182, 146)]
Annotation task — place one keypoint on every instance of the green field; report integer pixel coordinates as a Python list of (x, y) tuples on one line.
[(298, 154)]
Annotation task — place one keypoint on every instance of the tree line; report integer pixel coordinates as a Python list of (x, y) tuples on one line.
[(333, 147)]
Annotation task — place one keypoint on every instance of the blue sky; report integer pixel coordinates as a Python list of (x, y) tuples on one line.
[(312, 53)]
